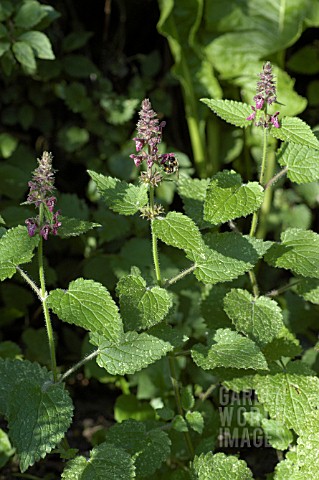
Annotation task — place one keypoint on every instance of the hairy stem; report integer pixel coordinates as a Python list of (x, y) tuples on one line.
[(30, 282), (284, 288), (154, 243), (180, 275), (276, 177), (254, 222), (78, 365), (187, 437), (46, 312)]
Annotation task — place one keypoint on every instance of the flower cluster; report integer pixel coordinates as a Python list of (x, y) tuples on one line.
[(40, 195), (149, 131), (265, 95)]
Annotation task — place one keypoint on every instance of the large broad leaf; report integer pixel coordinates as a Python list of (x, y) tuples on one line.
[(179, 231), (121, 197), (89, 305), (40, 43), (289, 396), (151, 444), (16, 247), (259, 318), (298, 252), (231, 111), (308, 288), (27, 392), (219, 466), (227, 256), (132, 353), (227, 198), (24, 54), (254, 31), (106, 462), (293, 129), (193, 194), (302, 162), (29, 14), (229, 349), (142, 306), (72, 227)]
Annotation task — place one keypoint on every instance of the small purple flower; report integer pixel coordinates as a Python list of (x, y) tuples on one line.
[(56, 223), (259, 102), (139, 144), (274, 120), (252, 115), (31, 226), (137, 159), (44, 231), (50, 203)]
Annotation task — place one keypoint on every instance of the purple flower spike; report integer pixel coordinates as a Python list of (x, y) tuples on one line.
[(40, 195)]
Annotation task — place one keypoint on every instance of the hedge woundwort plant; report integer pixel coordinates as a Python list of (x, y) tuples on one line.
[(233, 338)]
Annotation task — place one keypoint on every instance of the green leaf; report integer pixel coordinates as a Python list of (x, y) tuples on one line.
[(229, 256), (258, 318), (29, 14), (293, 129), (6, 450), (277, 434), (89, 305), (75, 40), (285, 344), (106, 461), (72, 227), (179, 231), (302, 162), (24, 54), (289, 396), (305, 60), (128, 406), (151, 445), (120, 196), (16, 247), (131, 353), (187, 397), (196, 421), (27, 391), (227, 198), (142, 306), (193, 193), (39, 42), (72, 138), (231, 111), (8, 144), (220, 467), (79, 66), (298, 252), (308, 288), (229, 349)]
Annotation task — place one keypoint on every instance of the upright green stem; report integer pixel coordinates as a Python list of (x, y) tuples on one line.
[(261, 181), (45, 306), (188, 439), (154, 242)]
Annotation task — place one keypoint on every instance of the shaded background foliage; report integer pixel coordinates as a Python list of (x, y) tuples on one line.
[(80, 102)]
